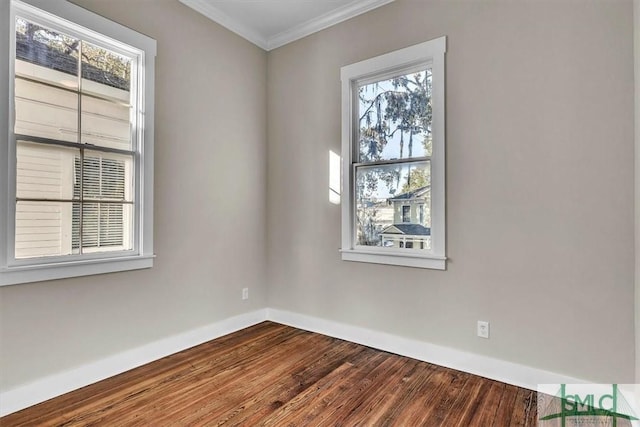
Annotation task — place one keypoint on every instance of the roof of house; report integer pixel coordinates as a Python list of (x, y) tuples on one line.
[(418, 192), (40, 54), (408, 229)]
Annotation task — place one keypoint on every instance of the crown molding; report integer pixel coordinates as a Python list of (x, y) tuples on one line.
[(226, 21), (348, 11)]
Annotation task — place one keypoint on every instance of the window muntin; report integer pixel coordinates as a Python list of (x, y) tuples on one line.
[(393, 158)]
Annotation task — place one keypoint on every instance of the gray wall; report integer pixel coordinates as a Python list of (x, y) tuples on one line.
[(539, 183), (209, 208)]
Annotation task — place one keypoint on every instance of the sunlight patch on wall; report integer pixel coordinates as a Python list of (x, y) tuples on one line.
[(334, 178)]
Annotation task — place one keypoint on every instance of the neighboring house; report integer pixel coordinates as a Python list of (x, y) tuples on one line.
[(383, 213), (374, 216), (411, 221), (48, 175)]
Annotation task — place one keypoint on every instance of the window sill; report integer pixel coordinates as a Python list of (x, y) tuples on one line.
[(36, 273), (408, 260)]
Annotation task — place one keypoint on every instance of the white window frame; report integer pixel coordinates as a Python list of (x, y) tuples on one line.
[(431, 54), (89, 26)]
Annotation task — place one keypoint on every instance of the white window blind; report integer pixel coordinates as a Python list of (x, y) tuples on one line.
[(99, 225)]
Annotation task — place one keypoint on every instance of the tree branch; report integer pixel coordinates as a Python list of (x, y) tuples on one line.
[(372, 101)]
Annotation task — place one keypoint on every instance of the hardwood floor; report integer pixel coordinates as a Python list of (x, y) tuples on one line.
[(275, 375)]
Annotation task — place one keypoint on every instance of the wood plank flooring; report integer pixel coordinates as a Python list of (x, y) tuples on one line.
[(275, 375)]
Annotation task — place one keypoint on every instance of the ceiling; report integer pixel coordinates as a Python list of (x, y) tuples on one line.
[(274, 23)]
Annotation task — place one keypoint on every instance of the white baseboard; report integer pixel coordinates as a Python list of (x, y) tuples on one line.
[(64, 382), (488, 367)]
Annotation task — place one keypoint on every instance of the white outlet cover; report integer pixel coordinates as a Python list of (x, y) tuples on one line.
[(483, 329)]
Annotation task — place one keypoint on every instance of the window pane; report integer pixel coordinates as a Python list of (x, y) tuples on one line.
[(48, 50), (406, 213), (43, 229), (44, 171), (105, 67), (46, 70), (394, 118), (105, 227), (106, 98), (106, 122), (107, 176), (45, 111), (393, 206)]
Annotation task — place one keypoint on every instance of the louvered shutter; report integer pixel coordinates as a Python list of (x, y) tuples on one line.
[(102, 223)]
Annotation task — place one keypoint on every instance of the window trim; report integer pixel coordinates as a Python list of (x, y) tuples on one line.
[(95, 28), (431, 52)]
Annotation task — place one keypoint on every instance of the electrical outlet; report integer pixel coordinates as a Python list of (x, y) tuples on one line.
[(245, 293), (483, 329)]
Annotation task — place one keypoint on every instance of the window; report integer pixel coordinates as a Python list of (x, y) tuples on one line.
[(79, 153), (393, 158), (406, 214)]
